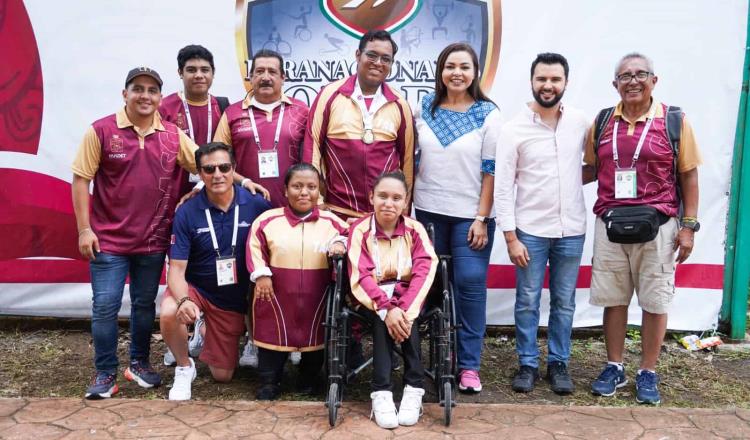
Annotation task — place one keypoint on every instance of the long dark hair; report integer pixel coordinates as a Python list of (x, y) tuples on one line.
[(441, 91)]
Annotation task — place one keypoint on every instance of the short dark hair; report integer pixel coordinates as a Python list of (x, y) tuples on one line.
[(211, 147), (550, 58), (398, 175), (194, 51), (298, 168), (267, 53), (377, 34)]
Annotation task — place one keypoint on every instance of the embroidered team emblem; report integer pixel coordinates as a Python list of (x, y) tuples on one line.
[(115, 144), (181, 122)]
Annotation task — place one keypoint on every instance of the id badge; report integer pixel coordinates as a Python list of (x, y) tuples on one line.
[(626, 184), (388, 288), (226, 271), (194, 178), (268, 164)]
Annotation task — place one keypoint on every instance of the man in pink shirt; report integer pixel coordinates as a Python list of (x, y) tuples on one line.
[(540, 209)]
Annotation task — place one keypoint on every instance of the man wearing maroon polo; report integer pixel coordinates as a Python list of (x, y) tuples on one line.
[(134, 159)]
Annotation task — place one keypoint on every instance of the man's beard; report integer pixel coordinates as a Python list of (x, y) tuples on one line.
[(547, 104)]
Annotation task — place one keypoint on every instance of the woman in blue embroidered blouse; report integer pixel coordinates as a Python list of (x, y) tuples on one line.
[(457, 130)]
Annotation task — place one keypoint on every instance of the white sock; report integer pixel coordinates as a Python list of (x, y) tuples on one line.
[(619, 365), (645, 369)]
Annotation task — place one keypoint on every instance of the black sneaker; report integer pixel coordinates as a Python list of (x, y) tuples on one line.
[(141, 372), (523, 381), (559, 379), (268, 392)]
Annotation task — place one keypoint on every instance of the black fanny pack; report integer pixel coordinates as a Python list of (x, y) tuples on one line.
[(633, 224)]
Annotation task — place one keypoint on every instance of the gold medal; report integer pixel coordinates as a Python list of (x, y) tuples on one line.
[(368, 137)]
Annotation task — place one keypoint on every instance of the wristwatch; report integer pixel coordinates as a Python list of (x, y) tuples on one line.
[(691, 223), (483, 219)]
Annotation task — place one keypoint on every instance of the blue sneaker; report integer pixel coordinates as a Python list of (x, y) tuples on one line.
[(646, 388), (610, 379), (142, 373), (103, 386)]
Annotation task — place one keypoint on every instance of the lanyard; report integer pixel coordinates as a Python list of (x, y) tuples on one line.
[(368, 114), (190, 121), (640, 141), (376, 253), (255, 129), (234, 229)]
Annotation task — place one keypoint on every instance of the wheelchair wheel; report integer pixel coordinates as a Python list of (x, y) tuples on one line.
[(447, 403), (333, 402)]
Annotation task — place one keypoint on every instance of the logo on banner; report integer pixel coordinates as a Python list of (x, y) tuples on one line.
[(318, 39)]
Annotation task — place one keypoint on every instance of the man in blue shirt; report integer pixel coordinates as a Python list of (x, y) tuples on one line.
[(207, 271)]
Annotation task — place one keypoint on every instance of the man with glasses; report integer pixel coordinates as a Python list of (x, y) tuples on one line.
[(645, 157), (207, 273), (359, 128), (134, 160)]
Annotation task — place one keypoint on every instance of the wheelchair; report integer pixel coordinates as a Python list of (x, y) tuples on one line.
[(437, 324)]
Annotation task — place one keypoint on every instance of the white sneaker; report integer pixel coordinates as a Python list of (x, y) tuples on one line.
[(383, 409), (195, 344), (411, 406), (249, 356), (183, 380), (295, 357), (169, 359)]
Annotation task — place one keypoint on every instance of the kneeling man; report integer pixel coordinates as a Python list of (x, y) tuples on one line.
[(207, 271)]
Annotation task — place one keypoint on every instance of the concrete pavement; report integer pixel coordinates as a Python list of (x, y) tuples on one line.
[(42, 419)]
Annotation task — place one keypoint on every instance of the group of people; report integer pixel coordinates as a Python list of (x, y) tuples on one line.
[(279, 188)]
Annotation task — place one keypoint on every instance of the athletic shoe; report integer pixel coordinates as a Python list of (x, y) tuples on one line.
[(525, 378), (609, 380), (268, 392), (384, 409), (169, 359), (103, 386), (249, 356), (559, 378), (647, 388), (195, 343), (183, 380), (295, 357), (468, 381), (411, 406), (142, 373)]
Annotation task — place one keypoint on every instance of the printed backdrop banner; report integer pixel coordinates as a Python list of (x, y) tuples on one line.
[(64, 65)]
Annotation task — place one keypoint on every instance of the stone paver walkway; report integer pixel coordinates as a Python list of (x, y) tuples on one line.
[(42, 419)]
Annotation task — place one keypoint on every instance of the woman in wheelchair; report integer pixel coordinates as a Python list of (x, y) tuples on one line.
[(391, 268), (288, 263)]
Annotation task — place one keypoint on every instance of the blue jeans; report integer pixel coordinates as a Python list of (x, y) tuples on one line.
[(564, 256), (469, 281), (108, 273)]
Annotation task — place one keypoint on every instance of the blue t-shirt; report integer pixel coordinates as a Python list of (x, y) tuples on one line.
[(192, 242)]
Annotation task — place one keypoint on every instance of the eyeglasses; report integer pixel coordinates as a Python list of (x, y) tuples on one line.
[(223, 168), (374, 57), (640, 76)]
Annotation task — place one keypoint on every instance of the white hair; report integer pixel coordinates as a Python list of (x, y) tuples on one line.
[(631, 56)]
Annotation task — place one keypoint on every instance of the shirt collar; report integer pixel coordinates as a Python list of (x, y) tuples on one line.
[(655, 107), (124, 122), (400, 230), (350, 85), (293, 220), (249, 100), (534, 116), (241, 197)]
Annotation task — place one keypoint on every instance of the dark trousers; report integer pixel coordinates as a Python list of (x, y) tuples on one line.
[(271, 365), (382, 347)]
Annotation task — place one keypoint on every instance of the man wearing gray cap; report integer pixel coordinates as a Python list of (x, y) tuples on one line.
[(134, 160)]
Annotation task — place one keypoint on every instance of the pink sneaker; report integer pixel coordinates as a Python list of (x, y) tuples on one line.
[(469, 381)]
